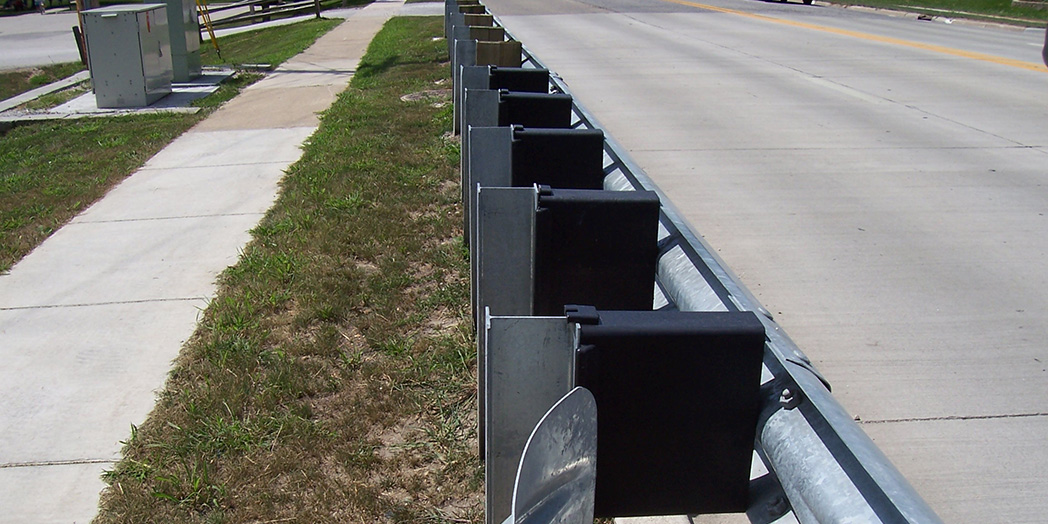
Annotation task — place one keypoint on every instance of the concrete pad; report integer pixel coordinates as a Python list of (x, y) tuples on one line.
[(140, 260), (88, 104), (182, 95), (205, 147), (51, 494), (103, 365), (33, 94), (272, 109)]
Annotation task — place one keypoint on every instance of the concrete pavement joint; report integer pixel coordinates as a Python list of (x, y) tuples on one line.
[(966, 126), (318, 71), (147, 167), (955, 418), (115, 303), (148, 219), (44, 463)]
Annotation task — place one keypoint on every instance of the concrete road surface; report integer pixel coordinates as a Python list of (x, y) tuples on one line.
[(880, 184), (32, 39)]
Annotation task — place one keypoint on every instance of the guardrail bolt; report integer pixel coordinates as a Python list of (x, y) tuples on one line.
[(778, 506), (789, 399)]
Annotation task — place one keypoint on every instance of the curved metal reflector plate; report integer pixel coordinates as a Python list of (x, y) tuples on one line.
[(558, 471)]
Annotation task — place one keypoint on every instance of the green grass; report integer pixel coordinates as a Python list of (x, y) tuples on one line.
[(266, 46), (56, 98), (332, 378), (990, 9), (16, 82)]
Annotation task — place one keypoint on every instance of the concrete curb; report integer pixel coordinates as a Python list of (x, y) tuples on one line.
[(33, 94)]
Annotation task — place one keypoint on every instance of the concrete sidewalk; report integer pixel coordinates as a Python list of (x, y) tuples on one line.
[(91, 320)]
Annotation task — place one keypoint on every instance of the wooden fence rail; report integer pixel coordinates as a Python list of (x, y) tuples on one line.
[(254, 11)]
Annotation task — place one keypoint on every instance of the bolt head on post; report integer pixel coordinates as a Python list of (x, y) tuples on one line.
[(789, 399)]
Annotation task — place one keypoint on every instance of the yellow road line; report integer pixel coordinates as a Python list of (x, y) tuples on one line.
[(1030, 66)]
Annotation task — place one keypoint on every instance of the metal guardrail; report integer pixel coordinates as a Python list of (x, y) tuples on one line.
[(816, 455), (828, 467)]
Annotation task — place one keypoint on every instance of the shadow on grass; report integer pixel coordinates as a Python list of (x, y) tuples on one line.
[(367, 70)]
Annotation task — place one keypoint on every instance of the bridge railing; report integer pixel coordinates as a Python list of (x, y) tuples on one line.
[(811, 459)]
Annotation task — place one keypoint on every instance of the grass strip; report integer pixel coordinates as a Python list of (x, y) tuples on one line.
[(332, 378), (51, 171), (271, 45), (18, 81), (1001, 11)]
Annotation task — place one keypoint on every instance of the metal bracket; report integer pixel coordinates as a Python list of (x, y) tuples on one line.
[(487, 157), (529, 364)]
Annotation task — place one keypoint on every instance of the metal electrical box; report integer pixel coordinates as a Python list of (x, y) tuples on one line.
[(129, 52), (185, 39)]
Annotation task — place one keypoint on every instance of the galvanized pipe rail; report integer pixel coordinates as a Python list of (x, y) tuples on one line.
[(828, 468)]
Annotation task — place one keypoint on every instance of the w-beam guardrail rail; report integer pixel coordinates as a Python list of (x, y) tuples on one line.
[(581, 409)]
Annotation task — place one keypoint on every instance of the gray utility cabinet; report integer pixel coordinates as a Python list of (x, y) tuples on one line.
[(129, 52), (185, 39)]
